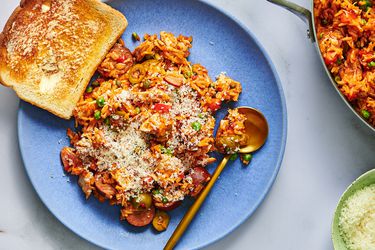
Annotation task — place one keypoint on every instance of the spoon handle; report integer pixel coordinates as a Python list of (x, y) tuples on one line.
[(185, 222)]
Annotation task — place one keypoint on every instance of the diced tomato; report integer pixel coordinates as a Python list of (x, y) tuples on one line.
[(100, 80), (181, 175), (162, 108), (148, 179), (87, 95), (330, 59), (214, 106), (347, 16), (352, 96), (121, 59)]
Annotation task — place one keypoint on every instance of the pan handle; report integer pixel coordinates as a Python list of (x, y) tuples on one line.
[(301, 12)]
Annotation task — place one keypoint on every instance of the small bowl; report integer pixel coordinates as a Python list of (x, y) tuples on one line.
[(364, 180)]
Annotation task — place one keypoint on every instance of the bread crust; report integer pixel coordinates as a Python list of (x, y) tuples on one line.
[(55, 74), (3, 38)]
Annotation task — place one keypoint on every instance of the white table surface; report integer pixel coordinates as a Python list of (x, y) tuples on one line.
[(327, 149)]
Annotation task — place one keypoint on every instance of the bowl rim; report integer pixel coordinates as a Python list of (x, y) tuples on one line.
[(366, 179)]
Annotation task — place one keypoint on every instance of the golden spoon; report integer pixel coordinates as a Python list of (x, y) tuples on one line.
[(257, 131)]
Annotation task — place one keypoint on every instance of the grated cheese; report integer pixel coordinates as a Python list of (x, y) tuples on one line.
[(357, 220)]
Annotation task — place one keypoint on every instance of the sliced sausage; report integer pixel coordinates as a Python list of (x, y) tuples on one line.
[(140, 218), (117, 62), (70, 160), (200, 176), (174, 80), (167, 206), (86, 180), (104, 188)]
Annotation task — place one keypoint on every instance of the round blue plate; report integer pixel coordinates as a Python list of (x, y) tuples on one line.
[(220, 44)]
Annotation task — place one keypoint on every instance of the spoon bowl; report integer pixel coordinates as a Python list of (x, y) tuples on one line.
[(256, 129)]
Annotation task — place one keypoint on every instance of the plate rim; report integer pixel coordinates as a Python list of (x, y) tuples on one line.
[(270, 182)]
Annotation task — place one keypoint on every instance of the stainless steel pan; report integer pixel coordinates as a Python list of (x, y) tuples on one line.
[(308, 17)]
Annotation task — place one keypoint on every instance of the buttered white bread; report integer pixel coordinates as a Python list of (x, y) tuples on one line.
[(50, 49)]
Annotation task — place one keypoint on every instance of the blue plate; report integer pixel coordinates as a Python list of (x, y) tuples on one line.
[(220, 44)]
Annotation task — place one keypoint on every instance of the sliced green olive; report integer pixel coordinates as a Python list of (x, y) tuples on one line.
[(147, 84), (137, 73), (230, 141), (142, 201), (136, 36), (137, 110), (161, 221)]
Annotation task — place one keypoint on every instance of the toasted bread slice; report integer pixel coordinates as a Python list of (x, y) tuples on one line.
[(50, 49)]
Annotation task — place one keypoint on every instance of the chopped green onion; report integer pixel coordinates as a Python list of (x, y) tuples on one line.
[(188, 74), (137, 110), (164, 200), (156, 191), (337, 78), (247, 157), (97, 114), (233, 157), (166, 151), (196, 126), (366, 114), (89, 90), (366, 6), (201, 116), (169, 152), (371, 64), (100, 102), (321, 36), (339, 61), (107, 121)]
